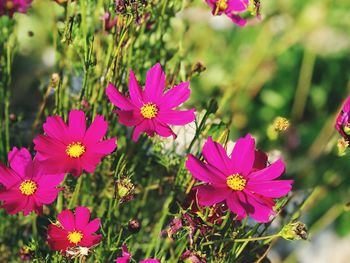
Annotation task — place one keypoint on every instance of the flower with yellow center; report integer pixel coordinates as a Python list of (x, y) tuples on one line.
[(75, 149), (236, 182), (28, 187), (149, 110), (75, 237), (221, 5)]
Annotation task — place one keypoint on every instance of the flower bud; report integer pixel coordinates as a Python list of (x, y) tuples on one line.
[(134, 225), (294, 231)]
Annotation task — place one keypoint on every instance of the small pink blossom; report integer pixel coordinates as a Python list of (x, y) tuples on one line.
[(73, 148), (25, 185), (9, 7), (246, 188), (73, 230), (231, 8), (343, 120), (150, 110), (126, 256)]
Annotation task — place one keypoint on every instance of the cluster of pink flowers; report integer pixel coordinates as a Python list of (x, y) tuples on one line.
[(26, 185)]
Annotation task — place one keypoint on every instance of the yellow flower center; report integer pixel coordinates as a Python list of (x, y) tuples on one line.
[(75, 149), (28, 187), (236, 182), (221, 5), (75, 237), (9, 5), (149, 110)]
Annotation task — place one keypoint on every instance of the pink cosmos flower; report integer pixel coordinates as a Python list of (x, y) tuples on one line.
[(73, 230), (73, 148), (343, 122), (126, 256), (234, 179), (9, 7), (150, 110), (231, 8), (26, 187)]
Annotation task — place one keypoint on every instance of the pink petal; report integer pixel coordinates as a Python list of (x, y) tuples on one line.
[(77, 125), (209, 195), (176, 117), (235, 205), (44, 146), (96, 131), (135, 90), (163, 129), (90, 240), (30, 206), (269, 173), (216, 155), (82, 216), (45, 196), (260, 160), (155, 83), (237, 20), (8, 177), (275, 189), (236, 6), (66, 218), (243, 154), (45, 180), (145, 126), (105, 147), (130, 117), (57, 238), (118, 99), (21, 162), (175, 96), (93, 226), (204, 172), (258, 209), (55, 128), (14, 201)]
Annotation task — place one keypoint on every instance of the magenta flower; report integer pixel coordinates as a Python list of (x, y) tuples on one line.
[(25, 186), (9, 7), (73, 230), (126, 256), (343, 123), (230, 8), (246, 188), (73, 148), (150, 110)]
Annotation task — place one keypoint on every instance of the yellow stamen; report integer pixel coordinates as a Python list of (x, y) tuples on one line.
[(75, 237), (236, 182), (28, 187), (9, 5), (149, 110), (281, 124), (75, 149), (221, 5)]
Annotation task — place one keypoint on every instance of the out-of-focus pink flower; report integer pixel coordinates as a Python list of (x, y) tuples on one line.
[(9, 7), (26, 187), (126, 256), (108, 22), (343, 122), (233, 9), (150, 110), (234, 179), (73, 148), (73, 230)]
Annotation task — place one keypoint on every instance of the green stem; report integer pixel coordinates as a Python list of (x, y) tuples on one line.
[(73, 202)]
